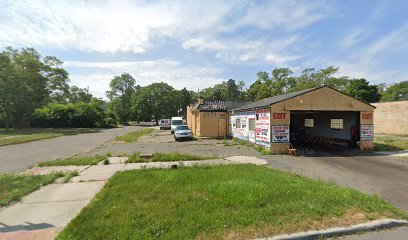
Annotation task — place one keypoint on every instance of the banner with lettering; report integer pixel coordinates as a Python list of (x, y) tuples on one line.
[(280, 134)]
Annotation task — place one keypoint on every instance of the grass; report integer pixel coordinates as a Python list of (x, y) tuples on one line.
[(14, 186), (222, 202), (166, 157), (77, 161), (16, 136), (134, 136), (390, 143), (259, 148)]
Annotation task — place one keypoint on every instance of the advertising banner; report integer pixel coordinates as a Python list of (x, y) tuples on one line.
[(262, 122), (367, 132), (240, 126), (280, 134)]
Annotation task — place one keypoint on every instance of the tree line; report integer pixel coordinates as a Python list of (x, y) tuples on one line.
[(35, 91)]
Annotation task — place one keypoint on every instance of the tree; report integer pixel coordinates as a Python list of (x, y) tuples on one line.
[(157, 101), (395, 92), (27, 81), (122, 88), (362, 90), (77, 94), (185, 97), (226, 91)]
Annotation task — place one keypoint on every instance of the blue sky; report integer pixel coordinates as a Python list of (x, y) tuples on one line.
[(196, 44)]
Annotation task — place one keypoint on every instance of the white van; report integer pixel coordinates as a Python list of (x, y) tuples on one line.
[(164, 124), (175, 121)]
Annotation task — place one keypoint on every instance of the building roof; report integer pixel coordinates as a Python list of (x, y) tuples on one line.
[(276, 99), (218, 105)]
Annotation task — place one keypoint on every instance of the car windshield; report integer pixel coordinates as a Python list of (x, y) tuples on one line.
[(176, 122), (182, 128)]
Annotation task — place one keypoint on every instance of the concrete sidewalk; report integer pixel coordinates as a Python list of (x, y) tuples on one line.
[(41, 214)]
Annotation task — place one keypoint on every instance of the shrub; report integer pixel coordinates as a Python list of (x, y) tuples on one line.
[(81, 114)]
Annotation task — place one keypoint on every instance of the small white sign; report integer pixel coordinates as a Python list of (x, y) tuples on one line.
[(367, 132), (280, 134)]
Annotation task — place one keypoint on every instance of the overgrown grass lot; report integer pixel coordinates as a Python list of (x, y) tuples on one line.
[(78, 161), (167, 157), (14, 186), (223, 202), (390, 143), (134, 136), (15, 136)]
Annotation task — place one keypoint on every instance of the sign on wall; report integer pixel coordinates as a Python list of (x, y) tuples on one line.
[(367, 132), (280, 134), (240, 126), (262, 122)]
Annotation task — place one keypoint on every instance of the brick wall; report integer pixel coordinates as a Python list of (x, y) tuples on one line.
[(391, 117)]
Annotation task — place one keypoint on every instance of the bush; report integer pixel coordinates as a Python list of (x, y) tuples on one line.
[(81, 114)]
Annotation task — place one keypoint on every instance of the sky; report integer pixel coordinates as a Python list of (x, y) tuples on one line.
[(196, 44)]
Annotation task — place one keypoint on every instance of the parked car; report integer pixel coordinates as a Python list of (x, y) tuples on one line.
[(183, 132), (175, 121), (165, 124)]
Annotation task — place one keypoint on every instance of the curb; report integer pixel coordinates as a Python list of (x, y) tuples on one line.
[(340, 231)]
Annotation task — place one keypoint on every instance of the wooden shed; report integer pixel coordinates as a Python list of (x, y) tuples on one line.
[(210, 118)]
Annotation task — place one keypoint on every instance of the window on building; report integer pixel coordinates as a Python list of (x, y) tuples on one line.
[(309, 122), (336, 123), (238, 123), (252, 124)]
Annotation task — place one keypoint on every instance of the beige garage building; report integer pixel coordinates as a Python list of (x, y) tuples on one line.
[(322, 116)]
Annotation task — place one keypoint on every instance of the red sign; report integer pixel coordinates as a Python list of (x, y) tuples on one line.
[(367, 116), (279, 115)]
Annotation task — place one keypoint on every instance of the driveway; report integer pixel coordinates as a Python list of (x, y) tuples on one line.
[(19, 157)]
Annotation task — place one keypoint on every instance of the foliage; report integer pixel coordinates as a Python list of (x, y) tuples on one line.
[(28, 81), (362, 90), (223, 202), (225, 91), (157, 101), (122, 88), (167, 157), (282, 80), (76, 160), (390, 143), (14, 186), (395, 92), (134, 136), (81, 114)]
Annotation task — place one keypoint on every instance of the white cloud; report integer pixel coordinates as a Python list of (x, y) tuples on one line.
[(134, 26), (174, 73)]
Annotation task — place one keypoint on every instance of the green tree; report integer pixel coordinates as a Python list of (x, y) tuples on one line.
[(122, 88), (185, 97), (226, 91), (27, 81), (157, 101), (362, 90), (395, 92), (76, 94)]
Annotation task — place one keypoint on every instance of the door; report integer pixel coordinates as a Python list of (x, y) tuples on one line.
[(222, 127)]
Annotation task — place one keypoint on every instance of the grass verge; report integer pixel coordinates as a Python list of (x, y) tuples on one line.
[(14, 186), (134, 136), (222, 202), (77, 161), (259, 148), (16, 136), (166, 157), (390, 143)]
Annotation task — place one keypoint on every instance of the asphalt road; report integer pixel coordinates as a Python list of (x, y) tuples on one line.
[(19, 157)]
